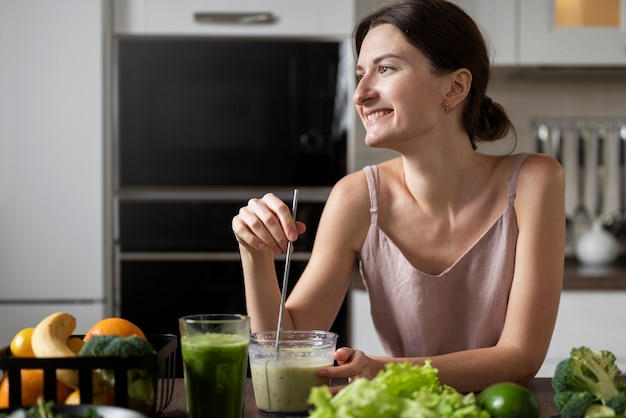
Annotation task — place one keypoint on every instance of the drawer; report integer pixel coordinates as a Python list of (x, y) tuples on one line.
[(290, 18)]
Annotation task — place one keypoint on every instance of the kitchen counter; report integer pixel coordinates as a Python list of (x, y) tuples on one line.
[(579, 277), (540, 387)]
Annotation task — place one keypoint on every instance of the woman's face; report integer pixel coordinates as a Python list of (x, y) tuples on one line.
[(398, 96)]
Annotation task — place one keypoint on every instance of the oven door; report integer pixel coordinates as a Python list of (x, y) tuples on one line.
[(230, 112), (175, 254), (176, 287)]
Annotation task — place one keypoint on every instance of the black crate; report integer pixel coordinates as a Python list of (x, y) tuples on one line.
[(164, 344)]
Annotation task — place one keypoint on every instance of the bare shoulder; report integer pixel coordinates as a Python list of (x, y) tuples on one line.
[(350, 192), (346, 216), (540, 185), (540, 171)]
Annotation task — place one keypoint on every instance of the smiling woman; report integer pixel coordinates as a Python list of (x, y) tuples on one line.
[(461, 252)]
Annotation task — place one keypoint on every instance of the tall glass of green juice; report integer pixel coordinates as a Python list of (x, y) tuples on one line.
[(215, 360)]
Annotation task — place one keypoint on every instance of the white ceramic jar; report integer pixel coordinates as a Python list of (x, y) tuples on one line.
[(597, 246)]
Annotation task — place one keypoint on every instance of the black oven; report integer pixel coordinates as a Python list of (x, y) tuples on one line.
[(201, 124), (225, 112), (175, 255)]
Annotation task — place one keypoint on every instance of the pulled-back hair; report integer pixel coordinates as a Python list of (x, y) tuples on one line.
[(451, 40)]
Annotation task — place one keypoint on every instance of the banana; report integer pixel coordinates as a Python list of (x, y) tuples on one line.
[(50, 338)]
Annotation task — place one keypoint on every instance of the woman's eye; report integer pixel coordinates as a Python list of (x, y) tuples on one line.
[(383, 69)]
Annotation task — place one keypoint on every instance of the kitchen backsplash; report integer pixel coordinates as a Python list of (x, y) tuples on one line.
[(592, 152)]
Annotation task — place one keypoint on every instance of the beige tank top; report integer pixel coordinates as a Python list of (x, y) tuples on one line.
[(417, 314)]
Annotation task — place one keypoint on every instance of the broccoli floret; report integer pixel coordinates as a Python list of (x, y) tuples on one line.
[(116, 346), (599, 411), (140, 381), (562, 397), (576, 404), (585, 370), (618, 403)]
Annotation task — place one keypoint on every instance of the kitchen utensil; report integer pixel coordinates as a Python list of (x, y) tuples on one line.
[(616, 220), (283, 297), (581, 214)]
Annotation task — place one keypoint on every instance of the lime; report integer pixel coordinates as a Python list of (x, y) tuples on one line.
[(508, 400)]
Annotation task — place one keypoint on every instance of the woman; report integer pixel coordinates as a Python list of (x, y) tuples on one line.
[(461, 252)]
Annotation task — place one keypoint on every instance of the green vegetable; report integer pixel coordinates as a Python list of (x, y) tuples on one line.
[(586, 379), (401, 390), (44, 410), (508, 400), (116, 346), (599, 411), (140, 381)]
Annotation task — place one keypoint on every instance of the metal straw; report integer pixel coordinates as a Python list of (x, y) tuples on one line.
[(279, 327)]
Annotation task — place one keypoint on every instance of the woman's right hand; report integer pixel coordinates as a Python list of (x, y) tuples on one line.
[(266, 223)]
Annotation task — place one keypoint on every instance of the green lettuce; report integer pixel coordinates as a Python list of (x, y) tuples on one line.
[(401, 390)]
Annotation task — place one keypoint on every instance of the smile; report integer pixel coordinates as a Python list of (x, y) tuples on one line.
[(377, 114)]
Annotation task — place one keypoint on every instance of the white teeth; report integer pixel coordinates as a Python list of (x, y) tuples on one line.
[(376, 114)]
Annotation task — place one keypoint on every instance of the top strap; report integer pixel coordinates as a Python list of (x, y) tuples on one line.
[(371, 174), (513, 174)]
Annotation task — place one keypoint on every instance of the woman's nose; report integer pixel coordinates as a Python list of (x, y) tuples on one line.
[(363, 91)]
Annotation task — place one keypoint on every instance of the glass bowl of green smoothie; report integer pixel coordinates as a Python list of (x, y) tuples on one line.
[(284, 372)]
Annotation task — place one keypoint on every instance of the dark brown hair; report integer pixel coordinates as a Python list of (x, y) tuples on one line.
[(450, 39)]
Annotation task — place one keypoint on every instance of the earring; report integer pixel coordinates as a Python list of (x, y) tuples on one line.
[(445, 106)]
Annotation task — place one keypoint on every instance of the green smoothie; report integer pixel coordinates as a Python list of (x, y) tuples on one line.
[(284, 386), (215, 370)]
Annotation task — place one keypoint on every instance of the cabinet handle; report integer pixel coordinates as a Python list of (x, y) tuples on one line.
[(251, 18)]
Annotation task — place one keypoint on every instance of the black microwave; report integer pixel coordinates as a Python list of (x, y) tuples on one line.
[(230, 112)]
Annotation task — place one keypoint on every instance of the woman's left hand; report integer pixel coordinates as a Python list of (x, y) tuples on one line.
[(352, 364)]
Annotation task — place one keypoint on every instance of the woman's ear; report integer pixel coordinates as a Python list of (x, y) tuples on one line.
[(460, 82)]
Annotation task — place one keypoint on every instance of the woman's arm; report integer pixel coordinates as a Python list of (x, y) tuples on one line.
[(262, 228), (533, 301)]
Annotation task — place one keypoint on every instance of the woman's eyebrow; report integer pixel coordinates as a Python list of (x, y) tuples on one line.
[(380, 58)]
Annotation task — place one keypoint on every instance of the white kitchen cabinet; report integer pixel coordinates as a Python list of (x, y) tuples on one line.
[(364, 335), (524, 33), (542, 42), (594, 318), (16, 317), (499, 23), (51, 181), (322, 18)]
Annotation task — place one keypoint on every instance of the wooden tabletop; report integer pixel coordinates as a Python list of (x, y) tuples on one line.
[(540, 387)]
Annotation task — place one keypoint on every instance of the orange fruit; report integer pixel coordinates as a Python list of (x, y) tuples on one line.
[(114, 326), (75, 344), (32, 388), (20, 344)]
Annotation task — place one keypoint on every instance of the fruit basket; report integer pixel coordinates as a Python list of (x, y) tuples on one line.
[(164, 344)]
